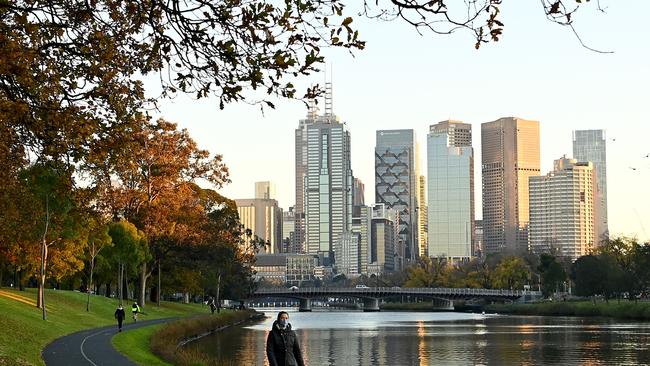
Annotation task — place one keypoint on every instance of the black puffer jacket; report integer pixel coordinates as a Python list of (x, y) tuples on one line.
[(282, 347)]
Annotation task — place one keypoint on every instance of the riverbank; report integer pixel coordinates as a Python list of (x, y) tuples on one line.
[(167, 342), (614, 309), (24, 334)]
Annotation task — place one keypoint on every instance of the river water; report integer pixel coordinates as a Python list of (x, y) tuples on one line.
[(413, 338)]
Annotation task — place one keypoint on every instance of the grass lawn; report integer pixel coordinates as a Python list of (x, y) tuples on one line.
[(24, 334), (135, 344), (616, 309)]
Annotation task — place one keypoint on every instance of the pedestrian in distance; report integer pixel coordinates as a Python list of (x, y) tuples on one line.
[(211, 304), (135, 309), (120, 315), (282, 346)]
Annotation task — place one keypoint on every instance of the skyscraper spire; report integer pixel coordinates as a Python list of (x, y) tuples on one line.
[(312, 111), (329, 110)]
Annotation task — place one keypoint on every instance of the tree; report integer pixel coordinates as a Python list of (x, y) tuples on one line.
[(428, 272), (588, 275), (129, 250), (552, 274), (511, 273), (71, 75), (97, 239), (49, 201)]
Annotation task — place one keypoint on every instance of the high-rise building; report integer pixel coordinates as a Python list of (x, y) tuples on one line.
[(591, 145), (450, 162), (265, 190), (347, 253), (384, 236), (361, 223), (510, 156), (478, 238), (301, 171), (423, 215), (358, 192), (264, 218), (327, 185), (288, 233), (563, 210), (396, 185)]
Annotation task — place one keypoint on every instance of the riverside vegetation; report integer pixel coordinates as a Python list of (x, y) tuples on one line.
[(24, 333)]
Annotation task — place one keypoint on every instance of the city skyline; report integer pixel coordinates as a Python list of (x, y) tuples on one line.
[(525, 74)]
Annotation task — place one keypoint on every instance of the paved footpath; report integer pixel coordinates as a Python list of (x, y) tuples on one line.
[(91, 347)]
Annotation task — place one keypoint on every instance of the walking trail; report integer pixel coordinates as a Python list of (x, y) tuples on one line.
[(91, 347)]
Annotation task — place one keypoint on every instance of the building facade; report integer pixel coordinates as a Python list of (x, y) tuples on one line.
[(288, 230), (384, 234), (591, 146), (327, 186), (423, 217), (361, 223), (264, 218), (510, 156), (347, 253), (396, 185), (265, 190), (450, 164), (563, 210)]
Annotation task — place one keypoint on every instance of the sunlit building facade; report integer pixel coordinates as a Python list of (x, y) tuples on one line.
[(563, 210), (510, 156)]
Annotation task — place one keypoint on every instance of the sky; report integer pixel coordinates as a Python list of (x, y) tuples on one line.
[(538, 71)]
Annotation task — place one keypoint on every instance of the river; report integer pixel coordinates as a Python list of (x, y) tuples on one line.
[(430, 338)]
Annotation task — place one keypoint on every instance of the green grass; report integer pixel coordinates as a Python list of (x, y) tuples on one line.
[(135, 344), (614, 309), (24, 334)]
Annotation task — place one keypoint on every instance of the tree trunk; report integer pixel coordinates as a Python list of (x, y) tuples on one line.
[(41, 290), (108, 289), (125, 282), (143, 284), (158, 288), (90, 282)]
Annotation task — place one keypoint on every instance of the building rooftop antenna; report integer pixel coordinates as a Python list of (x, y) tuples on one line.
[(312, 111), (329, 110)]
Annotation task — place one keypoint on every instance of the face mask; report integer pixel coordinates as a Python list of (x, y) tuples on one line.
[(282, 323)]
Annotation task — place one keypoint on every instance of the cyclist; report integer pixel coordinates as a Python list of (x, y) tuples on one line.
[(135, 309)]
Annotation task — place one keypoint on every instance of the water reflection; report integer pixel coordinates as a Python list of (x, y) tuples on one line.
[(378, 339)]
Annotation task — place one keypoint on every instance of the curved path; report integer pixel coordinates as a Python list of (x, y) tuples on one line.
[(91, 347)]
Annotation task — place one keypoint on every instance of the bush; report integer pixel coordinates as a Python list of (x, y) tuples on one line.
[(168, 342)]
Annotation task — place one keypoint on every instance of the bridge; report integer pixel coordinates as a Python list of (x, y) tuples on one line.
[(372, 295)]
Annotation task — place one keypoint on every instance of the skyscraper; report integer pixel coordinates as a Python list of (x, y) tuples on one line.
[(423, 224), (396, 185), (264, 218), (563, 210), (450, 162), (327, 185), (590, 145), (288, 230), (358, 192), (265, 190), (298, 246), (384, 236), (510, 155), (361, 223)]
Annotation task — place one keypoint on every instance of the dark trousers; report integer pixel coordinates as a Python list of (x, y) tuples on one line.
[(119, 323)]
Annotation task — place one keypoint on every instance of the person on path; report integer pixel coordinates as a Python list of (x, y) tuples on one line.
[(135, 309), (282, 347), (211, 304), (120, 315)]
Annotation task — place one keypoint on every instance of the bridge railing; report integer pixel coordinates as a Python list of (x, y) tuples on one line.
[(374, 291)]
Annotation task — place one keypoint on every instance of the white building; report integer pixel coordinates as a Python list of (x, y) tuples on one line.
[(563, 210)]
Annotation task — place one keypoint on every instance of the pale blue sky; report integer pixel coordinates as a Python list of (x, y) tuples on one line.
[(402, 80)]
